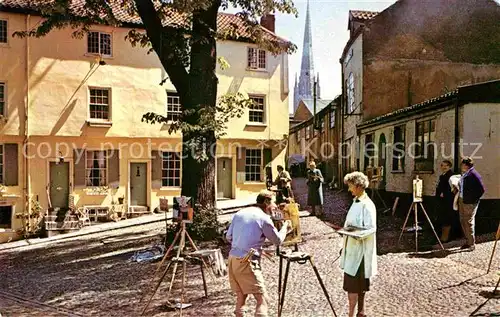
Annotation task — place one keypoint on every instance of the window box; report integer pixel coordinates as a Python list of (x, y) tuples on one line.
[(256, 124)]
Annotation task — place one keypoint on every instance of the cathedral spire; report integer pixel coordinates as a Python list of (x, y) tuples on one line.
[(306, 77)]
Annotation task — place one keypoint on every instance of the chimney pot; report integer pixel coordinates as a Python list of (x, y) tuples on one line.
[(268, 21)]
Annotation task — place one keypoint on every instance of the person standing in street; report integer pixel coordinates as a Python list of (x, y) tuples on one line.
[(445, 200), (248, 230), (315, 189), (283, 181), (359, 255), (471, 191)]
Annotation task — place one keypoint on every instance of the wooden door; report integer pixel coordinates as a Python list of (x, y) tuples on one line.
[(59, 184), (138, 184), (224, 177)]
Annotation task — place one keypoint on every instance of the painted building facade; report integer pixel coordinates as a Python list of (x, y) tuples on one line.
[(72, 110), (409, 53), (464, 122), (320, 144)]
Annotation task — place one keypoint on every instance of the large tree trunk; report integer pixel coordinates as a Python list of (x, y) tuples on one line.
[(198, 177), (197, 90)]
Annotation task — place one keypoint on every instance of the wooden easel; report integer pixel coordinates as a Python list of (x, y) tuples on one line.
[(182, 233), (300, 258), (375, 176), (414, 207), (497, 237)]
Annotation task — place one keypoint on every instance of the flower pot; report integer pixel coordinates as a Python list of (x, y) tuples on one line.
[(120, 201)]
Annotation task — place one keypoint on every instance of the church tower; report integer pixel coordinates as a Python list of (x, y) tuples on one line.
[(303, 89)]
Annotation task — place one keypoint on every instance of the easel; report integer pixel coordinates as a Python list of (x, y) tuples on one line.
[(182, 233), (375, 176), (417, 201), (300, 258), (497, 237)]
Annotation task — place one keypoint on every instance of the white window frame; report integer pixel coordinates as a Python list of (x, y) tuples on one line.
[(350, 93), (254, 56), (100, 33), (109, 104), (250, 109), (174, 179), (106, 153), (260, 168), (332, 119), (175, 113), (6, 31), (3, 99)]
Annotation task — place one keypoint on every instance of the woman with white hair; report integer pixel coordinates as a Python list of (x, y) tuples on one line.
[(359, 255)]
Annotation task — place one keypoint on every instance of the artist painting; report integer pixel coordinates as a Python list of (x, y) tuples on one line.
[(359, 255), (248, 230)]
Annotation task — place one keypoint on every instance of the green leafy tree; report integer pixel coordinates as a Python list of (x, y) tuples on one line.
[(183, 34)]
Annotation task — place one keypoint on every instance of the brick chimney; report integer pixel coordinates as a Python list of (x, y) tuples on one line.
[(268, 21)]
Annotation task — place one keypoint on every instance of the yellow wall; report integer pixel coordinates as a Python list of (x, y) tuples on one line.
[(56, 70)]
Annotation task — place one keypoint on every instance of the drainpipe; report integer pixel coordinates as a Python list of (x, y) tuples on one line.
[(27, 186), (457, 138), (342, 137)]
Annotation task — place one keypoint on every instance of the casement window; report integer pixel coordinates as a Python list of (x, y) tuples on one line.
[(332, 118), (369, 151), (425, 137), (256, 110), (174, 109), (256, 58), (3, 31), (171, 169), (99, 43), (3, 98), (398, 151), (350, 93), (100, 104), (349, 56), (253, 165), (96, 168), (9, 164)]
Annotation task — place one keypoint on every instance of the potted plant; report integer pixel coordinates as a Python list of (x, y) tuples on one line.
[(120, 200)]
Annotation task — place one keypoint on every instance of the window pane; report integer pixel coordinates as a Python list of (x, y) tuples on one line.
[(171, 169), (3, 31), (262, 59), (105, 44), (99, 104), (93, 42)]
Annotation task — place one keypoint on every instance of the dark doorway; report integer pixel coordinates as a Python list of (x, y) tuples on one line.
[(6, 217)]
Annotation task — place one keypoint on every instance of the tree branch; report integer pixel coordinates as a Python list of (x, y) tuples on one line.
[(162, 39)]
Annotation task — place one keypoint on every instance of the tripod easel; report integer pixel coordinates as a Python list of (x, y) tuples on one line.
[(182, 233), (497, 237), (417, 201), (414, 207), (375, 176), (300, 258)]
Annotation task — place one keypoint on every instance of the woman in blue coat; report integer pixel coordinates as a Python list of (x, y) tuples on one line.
[(315, 182)]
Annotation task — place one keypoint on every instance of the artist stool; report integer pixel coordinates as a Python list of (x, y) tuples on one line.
[(300, 258)]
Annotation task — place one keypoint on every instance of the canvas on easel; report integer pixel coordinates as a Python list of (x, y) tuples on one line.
[(288, 212), (183, 209), (417, 190)]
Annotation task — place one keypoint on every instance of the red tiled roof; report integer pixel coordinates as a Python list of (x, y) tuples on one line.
[(225, 21), (363, 15)]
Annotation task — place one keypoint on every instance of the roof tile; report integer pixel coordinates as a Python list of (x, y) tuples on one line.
[(363, 15), (225, 21)]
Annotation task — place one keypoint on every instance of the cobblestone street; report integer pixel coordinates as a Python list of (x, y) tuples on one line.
[(92, 277)]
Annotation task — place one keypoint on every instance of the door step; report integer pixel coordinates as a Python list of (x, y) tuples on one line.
[(136, 211)]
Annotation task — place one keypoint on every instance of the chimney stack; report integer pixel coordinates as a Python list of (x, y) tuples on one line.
[(268, 21)]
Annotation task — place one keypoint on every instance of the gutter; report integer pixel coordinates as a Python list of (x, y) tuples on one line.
[(25, 154)]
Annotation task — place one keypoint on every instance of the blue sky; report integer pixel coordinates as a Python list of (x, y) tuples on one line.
[(330, 34)]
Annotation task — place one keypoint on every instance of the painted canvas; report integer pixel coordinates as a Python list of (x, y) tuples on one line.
[(417, 190), (183, 210), (289, 212)]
